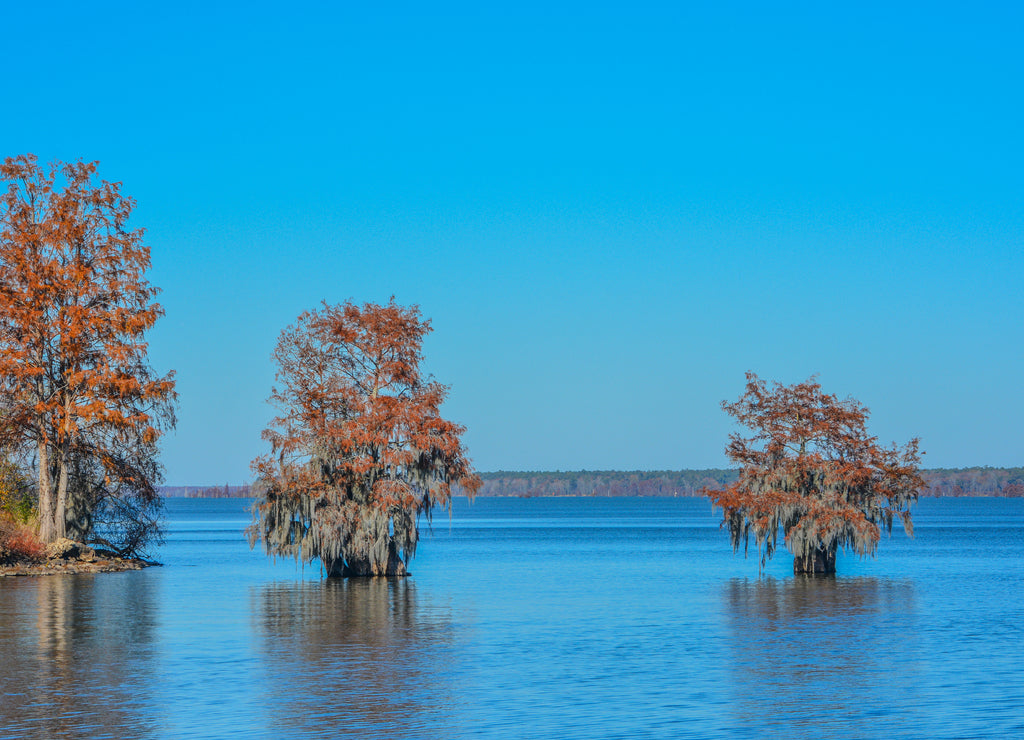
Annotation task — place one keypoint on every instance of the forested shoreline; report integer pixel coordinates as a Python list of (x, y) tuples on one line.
[(951, 482)]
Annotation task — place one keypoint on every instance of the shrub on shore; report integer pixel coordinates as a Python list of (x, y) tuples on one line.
[(19, 541)]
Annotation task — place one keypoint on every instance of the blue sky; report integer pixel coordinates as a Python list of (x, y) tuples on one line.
[(610, 213)]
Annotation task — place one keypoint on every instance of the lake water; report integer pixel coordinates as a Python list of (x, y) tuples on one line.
[(531, 618)]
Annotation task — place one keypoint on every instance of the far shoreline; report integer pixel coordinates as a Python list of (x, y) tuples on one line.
[(941, 483)]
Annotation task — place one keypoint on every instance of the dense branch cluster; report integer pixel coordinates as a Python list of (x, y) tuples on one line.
[(811, 471), (359, 449)]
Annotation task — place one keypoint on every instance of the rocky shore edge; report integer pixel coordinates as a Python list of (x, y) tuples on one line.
[(66, 557)]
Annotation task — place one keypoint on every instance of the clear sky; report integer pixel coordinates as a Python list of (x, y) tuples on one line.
[(610, 211)]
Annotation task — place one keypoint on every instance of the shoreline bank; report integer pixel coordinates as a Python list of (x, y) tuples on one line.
[(73, 559)]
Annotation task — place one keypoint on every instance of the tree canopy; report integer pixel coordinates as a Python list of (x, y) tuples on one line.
[(359, 448), (811, 471), (79, 398)]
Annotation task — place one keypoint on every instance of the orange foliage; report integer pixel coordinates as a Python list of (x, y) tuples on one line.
[(74, 308), (811, 470), (359, 448)]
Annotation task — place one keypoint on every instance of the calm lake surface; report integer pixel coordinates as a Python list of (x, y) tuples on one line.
[(531, 618)]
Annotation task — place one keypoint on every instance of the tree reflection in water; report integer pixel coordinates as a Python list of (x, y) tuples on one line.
[(77, 651), (354, 657), (814, 655)]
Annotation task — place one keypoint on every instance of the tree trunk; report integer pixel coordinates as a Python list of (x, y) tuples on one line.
[(820, 562), (60, 523), (362, 567), (60, 517), (47, 524)]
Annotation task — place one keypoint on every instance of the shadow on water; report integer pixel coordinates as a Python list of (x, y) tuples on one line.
[(819, 656), (76, 652), (362, 657)]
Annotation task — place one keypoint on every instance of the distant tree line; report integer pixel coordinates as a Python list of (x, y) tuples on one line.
[(1004, 482), (603, 483), (224, 491), (954, 482)]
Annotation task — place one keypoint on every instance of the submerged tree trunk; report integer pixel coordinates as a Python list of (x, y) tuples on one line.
[(819, 562), (363, 567)]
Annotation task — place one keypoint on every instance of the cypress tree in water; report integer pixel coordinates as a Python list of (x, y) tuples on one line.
[(812, 471), (359, 449)]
